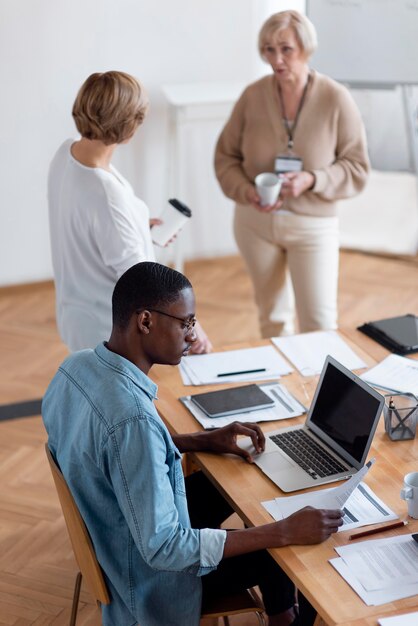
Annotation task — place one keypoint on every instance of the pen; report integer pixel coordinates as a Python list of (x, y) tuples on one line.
[(373, 531), (260, 369)]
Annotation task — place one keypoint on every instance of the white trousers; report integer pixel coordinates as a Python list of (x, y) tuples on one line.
[(275, 245)]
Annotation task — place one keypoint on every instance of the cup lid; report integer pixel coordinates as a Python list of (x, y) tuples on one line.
[(180, 206)]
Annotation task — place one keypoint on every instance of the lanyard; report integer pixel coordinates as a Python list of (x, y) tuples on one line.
[(291, 131)]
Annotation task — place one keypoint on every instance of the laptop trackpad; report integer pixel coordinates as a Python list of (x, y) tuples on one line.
[(273, 462)]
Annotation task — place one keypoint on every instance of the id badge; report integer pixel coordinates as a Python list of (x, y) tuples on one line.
[(286, 163)]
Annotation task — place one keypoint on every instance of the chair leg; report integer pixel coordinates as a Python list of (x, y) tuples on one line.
[(226, 620), (76, 597), (261, 619)]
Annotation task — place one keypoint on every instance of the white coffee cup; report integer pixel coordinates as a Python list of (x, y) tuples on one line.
[(268, 187), (409, 492), (174, 217)]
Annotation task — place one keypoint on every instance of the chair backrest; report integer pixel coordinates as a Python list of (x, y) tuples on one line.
[(80, 539)]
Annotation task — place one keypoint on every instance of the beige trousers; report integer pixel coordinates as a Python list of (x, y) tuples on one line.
[(276, 245)]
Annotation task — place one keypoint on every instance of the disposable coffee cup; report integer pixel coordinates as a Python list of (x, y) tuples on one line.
[(409, 492), (268, 188), (174, 217)]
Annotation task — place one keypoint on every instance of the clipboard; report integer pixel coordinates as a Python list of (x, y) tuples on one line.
[(398, 334)]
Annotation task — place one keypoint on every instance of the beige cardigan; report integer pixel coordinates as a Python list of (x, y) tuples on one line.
[(329, 138)]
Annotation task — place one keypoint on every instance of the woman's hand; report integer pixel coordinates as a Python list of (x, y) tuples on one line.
[(154, 221), (254, 199), (296, 183), (202, 343)]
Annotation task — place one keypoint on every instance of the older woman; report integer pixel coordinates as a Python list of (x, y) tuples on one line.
[(306, 128), (98, 227)]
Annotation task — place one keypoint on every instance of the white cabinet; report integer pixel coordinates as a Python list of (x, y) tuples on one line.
[(197, 113)]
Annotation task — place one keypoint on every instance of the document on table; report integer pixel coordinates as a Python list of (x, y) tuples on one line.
[(234, 366), (285, 406), (380, 570), (373, 598), (380, 563), (394, 373), (360, 504), (407, 619), (308, 351), (361, 508)]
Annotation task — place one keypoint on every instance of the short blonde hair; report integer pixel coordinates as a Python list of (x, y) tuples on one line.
[(109, 106), (303, 28)]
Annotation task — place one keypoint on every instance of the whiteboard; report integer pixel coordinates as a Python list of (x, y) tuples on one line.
[(366, 41)]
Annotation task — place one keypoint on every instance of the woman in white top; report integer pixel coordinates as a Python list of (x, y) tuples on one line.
[(98, 227)]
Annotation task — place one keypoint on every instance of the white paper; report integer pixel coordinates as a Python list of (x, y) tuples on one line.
[(382, 563), (373, 598), (407, 619), (394, 373), (285, 406), (204, 369), (362, 508), (308, 351), (360, 504)]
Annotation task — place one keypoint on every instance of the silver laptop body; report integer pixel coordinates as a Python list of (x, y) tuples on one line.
[(342, 420)]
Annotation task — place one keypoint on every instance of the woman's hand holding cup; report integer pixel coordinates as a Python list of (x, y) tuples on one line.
[(265, 195)]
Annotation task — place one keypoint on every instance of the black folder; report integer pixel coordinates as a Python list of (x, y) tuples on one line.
[(398, 334), (233, 400)]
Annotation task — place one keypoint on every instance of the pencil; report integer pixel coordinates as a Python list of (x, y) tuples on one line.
[(373, 531)]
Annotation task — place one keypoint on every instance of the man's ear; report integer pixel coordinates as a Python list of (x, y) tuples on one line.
[(144, 322)]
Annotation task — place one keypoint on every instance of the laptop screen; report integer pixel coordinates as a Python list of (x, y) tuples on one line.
[(345, 409)]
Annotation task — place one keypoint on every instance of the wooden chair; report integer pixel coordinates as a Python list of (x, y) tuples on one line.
[(233, 604), (82, 546), (245, 602)]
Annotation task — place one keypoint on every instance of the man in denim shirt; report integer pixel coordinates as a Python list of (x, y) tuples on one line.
[(124, 469)]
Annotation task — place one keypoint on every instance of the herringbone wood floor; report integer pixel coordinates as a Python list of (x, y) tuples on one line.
[(36, 565)]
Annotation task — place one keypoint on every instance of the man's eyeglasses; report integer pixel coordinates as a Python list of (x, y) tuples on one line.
[(188, 323)]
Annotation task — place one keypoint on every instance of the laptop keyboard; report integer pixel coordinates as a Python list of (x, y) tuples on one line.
[(307, 454)]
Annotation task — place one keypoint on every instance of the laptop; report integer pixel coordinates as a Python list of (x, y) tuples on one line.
[(334, 441)]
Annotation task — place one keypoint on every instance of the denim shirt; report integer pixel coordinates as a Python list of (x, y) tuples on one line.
[(125, 474)]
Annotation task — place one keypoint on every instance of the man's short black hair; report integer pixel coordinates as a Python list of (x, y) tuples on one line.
[(143, 286)]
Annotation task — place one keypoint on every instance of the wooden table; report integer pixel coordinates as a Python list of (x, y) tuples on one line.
[(245, 486)]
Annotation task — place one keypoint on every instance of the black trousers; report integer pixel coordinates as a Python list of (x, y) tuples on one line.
[(208, 509)]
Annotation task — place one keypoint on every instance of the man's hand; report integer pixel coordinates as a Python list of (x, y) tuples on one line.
[(202, 343), (224, 440), (306, 526), (296, 183), (310, 525)]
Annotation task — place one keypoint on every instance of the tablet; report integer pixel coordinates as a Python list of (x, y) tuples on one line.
[(234, 400), (399, 334)]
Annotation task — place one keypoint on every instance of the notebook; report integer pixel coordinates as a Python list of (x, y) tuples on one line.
[(398, 334), (334, 441), (234, 400)]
